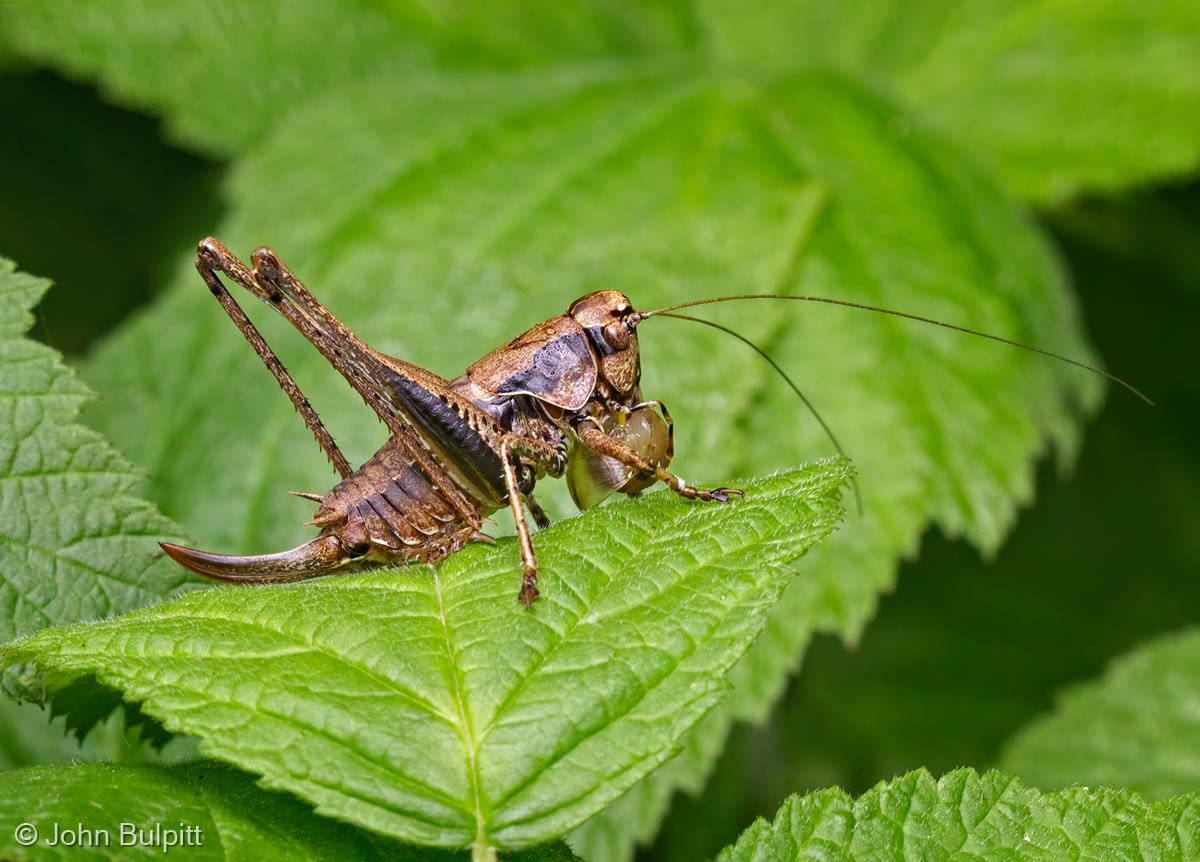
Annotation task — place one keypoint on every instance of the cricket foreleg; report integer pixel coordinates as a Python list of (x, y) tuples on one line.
[(603, 444), (529, 576)]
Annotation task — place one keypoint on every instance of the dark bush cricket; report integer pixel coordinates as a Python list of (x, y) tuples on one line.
[(563, 398)]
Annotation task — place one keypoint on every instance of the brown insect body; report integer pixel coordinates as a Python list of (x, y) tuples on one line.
[(562, 397), (385, 512), (459, 449)]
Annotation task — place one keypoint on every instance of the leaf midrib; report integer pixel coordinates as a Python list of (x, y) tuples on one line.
[(470, 744), (634, 552), (667, 673)]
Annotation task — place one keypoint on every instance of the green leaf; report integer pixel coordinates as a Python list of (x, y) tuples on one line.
[(517, 195), (1058, 98), (28, 738), (223, 73), (911, 415), (428, 705), (74, 542), (1135, 727), (939, 661), (965, 815), (465, 212), (201, 810), (32, 735)]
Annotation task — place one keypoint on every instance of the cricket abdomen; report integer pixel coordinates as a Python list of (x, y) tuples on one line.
[(385, 513), (389, 511)]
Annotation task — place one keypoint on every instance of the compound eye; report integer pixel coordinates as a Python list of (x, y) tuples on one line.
[(617, 335)]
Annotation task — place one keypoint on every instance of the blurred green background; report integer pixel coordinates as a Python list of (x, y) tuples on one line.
[(964, 653), (105, 210)]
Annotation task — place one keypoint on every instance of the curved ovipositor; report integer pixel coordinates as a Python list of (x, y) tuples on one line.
[(385, 513), (321, 556)]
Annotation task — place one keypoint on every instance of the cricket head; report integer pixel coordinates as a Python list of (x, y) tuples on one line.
[(608, 318)]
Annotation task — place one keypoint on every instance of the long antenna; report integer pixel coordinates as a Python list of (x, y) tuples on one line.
[(638, 317), (811, 409)]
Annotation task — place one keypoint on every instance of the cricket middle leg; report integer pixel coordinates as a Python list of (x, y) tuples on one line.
[(529, 564)]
